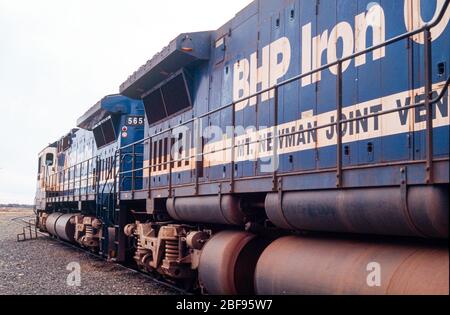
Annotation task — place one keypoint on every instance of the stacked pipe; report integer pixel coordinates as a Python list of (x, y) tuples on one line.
[(235, 262), (299, 265), (61, 225)]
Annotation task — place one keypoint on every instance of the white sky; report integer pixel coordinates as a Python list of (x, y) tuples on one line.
[(60, 57)]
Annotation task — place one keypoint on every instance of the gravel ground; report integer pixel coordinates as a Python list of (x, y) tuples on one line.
[(39, 267)]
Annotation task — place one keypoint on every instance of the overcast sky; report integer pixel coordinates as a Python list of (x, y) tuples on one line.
[(60, 57)]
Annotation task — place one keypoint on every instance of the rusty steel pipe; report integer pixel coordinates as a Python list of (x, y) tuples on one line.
[(65, 228), (228, 261), (50, 223), (294, 265), (420, 211), (225, 209)]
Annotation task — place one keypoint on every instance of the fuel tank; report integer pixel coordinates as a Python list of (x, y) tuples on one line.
[(418, 211), (65, 227), (50, 224), (225, 209), (227, 263), (61, 225), (294, 265)]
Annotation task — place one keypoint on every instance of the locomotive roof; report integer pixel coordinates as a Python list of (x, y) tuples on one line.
[(181, 52), (108, 105)]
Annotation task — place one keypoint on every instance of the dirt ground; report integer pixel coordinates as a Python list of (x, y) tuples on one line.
[(45, 266)]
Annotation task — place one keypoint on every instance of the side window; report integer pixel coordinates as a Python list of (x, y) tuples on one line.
[(49, 159), (220, 49), (67, 141), (165, 153), (160, 153), (154, 153), (180, 149), (39, 165)]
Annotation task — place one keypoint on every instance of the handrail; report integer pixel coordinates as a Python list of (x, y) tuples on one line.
[(52, 179), (427, 26), (427, 102), (113, 165), (69, 168), (437, 99)]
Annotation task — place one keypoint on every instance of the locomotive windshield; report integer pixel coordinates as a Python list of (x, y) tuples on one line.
[(49, 159)]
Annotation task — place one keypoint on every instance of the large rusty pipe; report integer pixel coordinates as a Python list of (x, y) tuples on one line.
[(225, 209), (50, 223), (65, 227), (228, 261), (294, 265), (420, 211)]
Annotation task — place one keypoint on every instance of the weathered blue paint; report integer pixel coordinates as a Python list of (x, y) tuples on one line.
[(262, 23)]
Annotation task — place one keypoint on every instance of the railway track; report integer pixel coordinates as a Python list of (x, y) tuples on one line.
[(24, 222)]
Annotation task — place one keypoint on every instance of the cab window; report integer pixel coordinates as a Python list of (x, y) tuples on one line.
[(39, 165), (49, 159)]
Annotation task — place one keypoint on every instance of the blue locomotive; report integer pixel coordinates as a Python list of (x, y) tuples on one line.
[(77, 175), (291, 148)]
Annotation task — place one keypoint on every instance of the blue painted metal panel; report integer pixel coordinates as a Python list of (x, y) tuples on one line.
[(374, 78)]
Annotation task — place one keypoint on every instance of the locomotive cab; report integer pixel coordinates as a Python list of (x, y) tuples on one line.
[(46, 167), (78, 179)]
